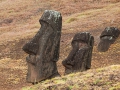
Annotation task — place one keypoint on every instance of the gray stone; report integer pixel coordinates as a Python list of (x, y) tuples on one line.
[(43, 48), (107, 37), (79, 58)]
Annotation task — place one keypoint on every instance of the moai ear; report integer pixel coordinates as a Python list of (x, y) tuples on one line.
[(107, 37), (91, 41)]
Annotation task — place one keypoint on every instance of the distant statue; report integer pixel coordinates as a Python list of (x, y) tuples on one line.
[(107, 37), (44, 48), (79, 58)]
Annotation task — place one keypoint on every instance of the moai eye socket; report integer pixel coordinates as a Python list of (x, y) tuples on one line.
[(43, 23), (82, 44), (107, 37)]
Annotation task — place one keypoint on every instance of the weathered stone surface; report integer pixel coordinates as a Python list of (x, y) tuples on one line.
[(43, 49), (80, 56), (107, 37)]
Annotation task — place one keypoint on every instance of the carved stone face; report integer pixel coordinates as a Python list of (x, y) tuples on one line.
[(44, 47), (107, 37), (79, 58)]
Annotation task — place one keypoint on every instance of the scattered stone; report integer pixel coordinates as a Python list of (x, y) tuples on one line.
[(43, 49)]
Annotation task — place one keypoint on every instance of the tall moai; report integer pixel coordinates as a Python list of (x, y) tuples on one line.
[(43, 48), (107, 37), (79, 59)]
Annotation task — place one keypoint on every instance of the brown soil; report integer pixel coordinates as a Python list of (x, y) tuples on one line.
[(19, 23)]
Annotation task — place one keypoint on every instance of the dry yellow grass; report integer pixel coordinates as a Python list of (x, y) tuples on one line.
[(106, 78)]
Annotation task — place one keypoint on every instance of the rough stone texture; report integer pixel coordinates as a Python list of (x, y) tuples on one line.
[(43, 49), (107, 37), (80, 56)]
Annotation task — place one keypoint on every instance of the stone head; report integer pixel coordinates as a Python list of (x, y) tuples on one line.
[(107, 37)]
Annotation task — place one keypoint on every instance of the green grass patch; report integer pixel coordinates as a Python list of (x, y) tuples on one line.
[(115, 88), (71, 20)]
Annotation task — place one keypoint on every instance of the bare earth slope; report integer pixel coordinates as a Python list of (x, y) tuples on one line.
[(19, 22)]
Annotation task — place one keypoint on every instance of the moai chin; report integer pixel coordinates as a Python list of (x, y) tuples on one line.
[(107, 37), (79, 58), (44, 48)]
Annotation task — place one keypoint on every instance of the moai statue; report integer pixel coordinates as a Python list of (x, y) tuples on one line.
[(44, 48), (107, 37), (79, 58)]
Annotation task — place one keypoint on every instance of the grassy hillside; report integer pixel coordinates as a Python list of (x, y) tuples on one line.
[(19, 22), (107, 78)]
